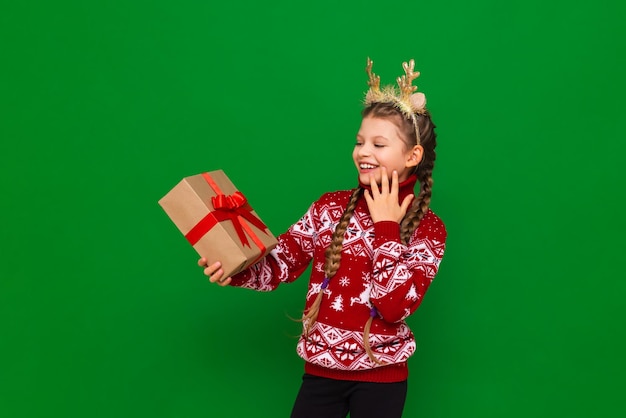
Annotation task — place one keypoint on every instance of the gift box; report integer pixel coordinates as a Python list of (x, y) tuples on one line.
[(217, 221)]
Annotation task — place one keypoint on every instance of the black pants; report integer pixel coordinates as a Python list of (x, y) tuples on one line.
[(320, 397)]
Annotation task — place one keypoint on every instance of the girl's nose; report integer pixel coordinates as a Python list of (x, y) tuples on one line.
[(364, 150)]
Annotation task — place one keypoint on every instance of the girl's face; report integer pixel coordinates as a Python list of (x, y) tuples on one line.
[(379, 144)]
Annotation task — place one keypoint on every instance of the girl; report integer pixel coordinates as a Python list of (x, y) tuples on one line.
[(375, 250)]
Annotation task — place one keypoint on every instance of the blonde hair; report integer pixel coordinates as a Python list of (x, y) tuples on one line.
[(409, 223)]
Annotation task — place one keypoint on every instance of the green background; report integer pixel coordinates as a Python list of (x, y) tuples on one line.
[(105, 105)]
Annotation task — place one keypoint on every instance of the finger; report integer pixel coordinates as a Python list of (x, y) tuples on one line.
[(212, 269), (394, 183), (405, 204), (374, 186), (216, 277), (384, 181), (224, 282), (368, 196), (202, 262)]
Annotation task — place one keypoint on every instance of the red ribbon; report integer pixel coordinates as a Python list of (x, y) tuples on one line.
[(233, 207)]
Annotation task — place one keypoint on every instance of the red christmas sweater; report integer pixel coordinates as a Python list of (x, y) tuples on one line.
[(376, 270)]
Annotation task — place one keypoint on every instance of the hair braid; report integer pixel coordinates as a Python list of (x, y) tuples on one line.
[(333, 252), (333, 257), (418, 209), (366, 339)]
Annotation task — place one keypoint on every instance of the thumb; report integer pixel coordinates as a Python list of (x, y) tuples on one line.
[(406, 203), (368, 197)]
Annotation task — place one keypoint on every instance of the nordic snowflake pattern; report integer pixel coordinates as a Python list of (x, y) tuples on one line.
[(383, 273), (344, 350)]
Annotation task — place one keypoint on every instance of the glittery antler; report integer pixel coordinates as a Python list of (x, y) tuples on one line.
[(406, 81), (406, 100), (374, 81)]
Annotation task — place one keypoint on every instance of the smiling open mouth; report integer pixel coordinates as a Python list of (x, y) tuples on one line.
[(367, 166)]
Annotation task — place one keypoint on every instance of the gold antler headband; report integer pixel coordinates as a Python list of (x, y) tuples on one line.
[(406, 100)]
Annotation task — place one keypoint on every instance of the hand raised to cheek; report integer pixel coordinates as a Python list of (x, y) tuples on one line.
[(383, 203)]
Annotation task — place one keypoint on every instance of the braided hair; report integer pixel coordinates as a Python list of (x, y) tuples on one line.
[(333, 257)]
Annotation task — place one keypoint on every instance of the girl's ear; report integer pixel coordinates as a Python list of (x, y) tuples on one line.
[(415, 156)]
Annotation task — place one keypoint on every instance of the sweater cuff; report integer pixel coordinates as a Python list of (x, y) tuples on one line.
[(239, 279), (385, 231)]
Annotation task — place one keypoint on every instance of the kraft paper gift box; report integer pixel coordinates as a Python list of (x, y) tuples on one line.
[(217, 221)]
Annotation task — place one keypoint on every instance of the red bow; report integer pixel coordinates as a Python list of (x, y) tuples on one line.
[(234, 201), (233, 207)]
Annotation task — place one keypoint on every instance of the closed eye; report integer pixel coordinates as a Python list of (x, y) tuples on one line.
[(358, 144)]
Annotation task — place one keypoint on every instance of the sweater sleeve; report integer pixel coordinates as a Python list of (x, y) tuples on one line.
[(286, 262), (401, 274)]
